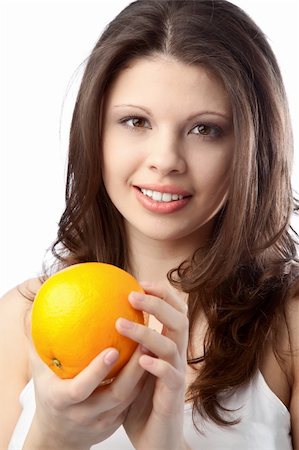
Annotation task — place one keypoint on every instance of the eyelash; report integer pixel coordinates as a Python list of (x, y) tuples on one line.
[(215, 130)]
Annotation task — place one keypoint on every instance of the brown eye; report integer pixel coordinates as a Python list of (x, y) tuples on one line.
[(135, 122), (138, 122), (204, 129), (207, 130)]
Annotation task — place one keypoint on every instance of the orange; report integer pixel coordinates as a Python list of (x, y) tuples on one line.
[(74, 313)]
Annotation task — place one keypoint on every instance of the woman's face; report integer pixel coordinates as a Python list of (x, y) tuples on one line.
[(167, 148)]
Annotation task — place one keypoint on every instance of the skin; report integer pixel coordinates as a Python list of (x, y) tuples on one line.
[(164, 145), (166, 149)]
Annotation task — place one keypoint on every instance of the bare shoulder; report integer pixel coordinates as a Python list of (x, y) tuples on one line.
[(20, 296), (15, 307)]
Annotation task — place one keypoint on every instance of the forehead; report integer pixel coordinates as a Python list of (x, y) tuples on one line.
[(159, 79)]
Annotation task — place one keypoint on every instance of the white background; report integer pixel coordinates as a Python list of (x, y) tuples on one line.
[(43, 43)]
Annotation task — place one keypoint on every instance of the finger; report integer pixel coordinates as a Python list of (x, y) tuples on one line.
[(176, 323), (82, 385), (160, 345), (173, 297), (66, 392), (125, 385), (171, 382), (170, 317), (169, 375)]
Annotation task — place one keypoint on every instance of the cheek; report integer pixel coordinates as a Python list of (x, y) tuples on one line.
[(214, 185), (119, 162), (216, 173)]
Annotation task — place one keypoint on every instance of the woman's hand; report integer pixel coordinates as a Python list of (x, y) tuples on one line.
[(155, 418), (77, 413)]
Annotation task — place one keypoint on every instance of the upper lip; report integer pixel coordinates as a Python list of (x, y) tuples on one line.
[(164, 188)]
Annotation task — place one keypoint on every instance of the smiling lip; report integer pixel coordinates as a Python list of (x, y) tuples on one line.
[(162, 207)]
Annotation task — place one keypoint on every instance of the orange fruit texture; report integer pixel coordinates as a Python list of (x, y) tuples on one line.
[(74, 313)]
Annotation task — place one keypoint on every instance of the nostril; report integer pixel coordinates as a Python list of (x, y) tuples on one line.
[(164, 170)]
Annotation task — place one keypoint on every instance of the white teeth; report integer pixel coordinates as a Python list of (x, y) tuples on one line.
[(161, 196), (166, 197), (157, 196)]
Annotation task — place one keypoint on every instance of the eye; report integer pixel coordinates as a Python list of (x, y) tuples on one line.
[(207, 130), (135, 122)]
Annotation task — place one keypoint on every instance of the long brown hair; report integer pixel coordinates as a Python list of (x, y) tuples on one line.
[(242, 280)]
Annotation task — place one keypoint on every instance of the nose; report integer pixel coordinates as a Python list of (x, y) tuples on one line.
[(165, 155)]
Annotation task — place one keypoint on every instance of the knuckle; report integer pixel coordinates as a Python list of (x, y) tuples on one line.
[(184, 323), (54, 403), (172, 349), (51, 400), (176, 379), (74, 394), (181, 307), (117, 396), (140, 331), (150, 304), (145, 334), (180, 380)]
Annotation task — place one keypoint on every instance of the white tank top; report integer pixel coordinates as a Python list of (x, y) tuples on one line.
[(265, 423)]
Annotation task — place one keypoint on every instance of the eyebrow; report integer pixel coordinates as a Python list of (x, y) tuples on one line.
[(192, 116)]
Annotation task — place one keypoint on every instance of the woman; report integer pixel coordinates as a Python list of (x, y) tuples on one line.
[(179, 172)]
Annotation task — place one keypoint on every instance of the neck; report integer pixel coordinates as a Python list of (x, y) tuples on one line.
[(151, 260)]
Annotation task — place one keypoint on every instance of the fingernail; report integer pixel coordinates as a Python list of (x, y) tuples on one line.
[(136, 296), (126, 324), (111, 357), (147, 360), (145, 283)]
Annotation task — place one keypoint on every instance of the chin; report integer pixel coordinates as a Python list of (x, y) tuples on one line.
[(163, 233)]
